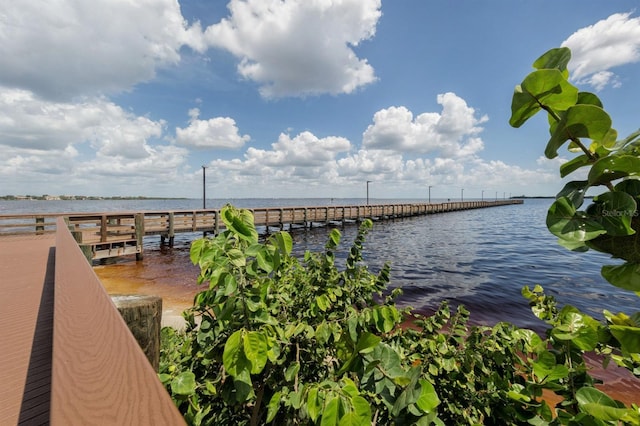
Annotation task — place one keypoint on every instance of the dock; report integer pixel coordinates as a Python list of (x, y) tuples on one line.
[(104, 235)]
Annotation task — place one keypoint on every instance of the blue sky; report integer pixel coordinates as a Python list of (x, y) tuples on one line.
[(295, 98)]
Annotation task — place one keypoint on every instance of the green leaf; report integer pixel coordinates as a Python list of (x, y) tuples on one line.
[(428, 400), (628, 336), (574, 191), (557, 58), (195, 250), (283, 241), (255, 350), (626, 276), (613, 167), (330, 415), (236, 258), (273, 406), (589, 98), (599, 405), (323, 302), (615, 209), (240, 222), (334, 239), (565, 222), (367, 342), (580, 121), (580, 329), (313, 404), (630, 186), (233, 357), (184, 383), (543, 87), (574, 164), (359, 416), (546, 368), (292, 371)]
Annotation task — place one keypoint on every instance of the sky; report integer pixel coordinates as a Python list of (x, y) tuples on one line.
[(295, 98)]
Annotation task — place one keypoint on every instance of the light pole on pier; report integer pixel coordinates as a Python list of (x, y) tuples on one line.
[(482, 196), (204, 187), (430, 186), (462, 195), (368, 182)]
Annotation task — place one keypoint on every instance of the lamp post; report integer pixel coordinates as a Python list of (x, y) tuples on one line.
[(462, 195), (430, 186), (204, 187), (368, 182), (496, 195), (482, 196)]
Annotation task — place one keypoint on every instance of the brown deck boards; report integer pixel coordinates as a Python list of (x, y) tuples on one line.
[(26, 328)]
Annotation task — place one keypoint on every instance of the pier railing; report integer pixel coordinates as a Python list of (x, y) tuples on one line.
[(103, 235), (99, 374)]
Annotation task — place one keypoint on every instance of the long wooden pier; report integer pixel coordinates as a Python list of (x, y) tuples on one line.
[(112, 234)]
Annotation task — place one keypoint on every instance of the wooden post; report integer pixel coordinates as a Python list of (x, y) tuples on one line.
[(172, 231), (143, 316), (86, 249), (139, 224), (39, 225)]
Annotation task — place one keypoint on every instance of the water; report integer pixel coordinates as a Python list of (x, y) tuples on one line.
[(480, 258)]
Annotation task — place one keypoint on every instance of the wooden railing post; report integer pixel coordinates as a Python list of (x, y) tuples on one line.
[(139, 228)]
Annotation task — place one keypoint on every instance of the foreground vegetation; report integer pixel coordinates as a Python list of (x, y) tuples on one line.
[(281, 340)]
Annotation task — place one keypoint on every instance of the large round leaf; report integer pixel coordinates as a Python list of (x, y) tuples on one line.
[(614, 167), (614, 210), (626, 276), (565, 222), (543, 87), (558, 58), (580, 121)]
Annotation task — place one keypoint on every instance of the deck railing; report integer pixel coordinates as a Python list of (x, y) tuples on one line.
[(103, 235), (99, 374)]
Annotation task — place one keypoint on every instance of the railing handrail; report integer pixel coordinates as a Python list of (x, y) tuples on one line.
[(99, 373)]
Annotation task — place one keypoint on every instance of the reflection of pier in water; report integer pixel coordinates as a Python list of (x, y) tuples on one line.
[(104, 235)]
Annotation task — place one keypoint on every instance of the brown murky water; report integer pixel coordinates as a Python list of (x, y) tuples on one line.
[(165, 272)]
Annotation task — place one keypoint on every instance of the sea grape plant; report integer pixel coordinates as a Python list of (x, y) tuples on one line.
[(277, 340), (608, 224)]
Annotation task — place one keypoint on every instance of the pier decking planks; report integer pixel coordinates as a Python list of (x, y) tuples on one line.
[(26, 328)]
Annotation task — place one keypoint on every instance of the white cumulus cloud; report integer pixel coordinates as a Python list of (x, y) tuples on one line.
[(299, 47), (62, 49), (451, 133), (604, 45), (218, 132)]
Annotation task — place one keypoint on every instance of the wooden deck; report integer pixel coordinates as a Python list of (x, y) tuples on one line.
[(26, 328), (67, 356)]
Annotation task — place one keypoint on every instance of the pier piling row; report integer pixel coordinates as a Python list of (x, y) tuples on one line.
[(113, 234)]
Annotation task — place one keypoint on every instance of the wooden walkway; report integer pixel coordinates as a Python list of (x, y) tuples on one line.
[(26, 328), (67, 356), (103, 235)]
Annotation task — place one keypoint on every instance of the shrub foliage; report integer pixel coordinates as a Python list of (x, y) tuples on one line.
[(273, 339)]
